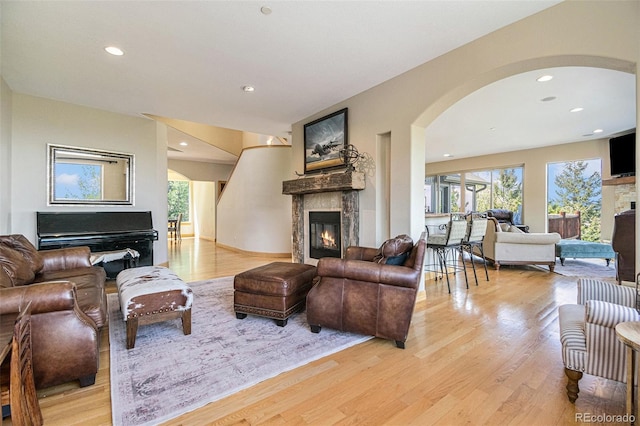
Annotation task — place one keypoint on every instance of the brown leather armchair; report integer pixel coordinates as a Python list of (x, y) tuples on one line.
[(68, 307), (623, 242), (361, 295)]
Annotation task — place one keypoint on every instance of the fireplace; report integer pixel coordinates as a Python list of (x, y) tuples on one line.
[(335, 193), (324, 234)]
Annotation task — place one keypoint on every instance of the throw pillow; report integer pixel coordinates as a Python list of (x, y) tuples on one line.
[(22, 245), (393, 247), (516, 230), (504, 227), (397, 260), (16, 266)]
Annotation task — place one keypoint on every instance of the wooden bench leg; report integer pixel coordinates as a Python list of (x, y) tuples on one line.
[(186, 321), (132, 330)]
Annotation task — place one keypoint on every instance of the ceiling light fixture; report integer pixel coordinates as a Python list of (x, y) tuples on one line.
[(544, 78), (248, 89), (183, 143), (265, 10), (548, 99), (115, 51), (447, 155), (598, 131), (576, 109)]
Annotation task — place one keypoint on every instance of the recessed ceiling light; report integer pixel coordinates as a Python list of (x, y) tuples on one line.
[(266, 10), (598, 131), (447, 155), (576, 109), (116, 51), (183, 143), (248, 88), (548, 99), (492, 128), (544, 78)]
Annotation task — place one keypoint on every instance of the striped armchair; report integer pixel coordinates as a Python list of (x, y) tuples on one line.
[(588, 335)]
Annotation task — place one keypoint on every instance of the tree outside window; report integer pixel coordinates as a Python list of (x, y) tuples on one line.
[(495, 189), (576, 186), (178, 199)]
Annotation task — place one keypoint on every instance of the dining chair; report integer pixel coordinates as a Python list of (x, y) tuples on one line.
[(22, 398), (446, 245), (175, 228), (472, 242)]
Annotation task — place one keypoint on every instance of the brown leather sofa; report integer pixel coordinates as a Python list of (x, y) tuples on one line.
[(362, 293), (68, 307), (623, 242)]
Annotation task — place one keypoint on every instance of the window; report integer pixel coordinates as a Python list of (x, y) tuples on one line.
[(483, 190), (442, 194), (576, 186), (178, 196), (495, 189)]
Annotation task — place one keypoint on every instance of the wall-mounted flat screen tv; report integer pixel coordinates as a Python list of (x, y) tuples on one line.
[(622, 154)]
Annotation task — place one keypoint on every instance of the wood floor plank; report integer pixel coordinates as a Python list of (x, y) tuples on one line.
[(483, 356)]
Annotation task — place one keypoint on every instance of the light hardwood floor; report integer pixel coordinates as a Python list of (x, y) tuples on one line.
[(486, 355)]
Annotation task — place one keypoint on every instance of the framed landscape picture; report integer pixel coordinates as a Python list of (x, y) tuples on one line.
[(324, 138)]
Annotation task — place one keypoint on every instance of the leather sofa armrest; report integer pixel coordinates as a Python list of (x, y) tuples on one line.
[(66, 258), (44, 297), (360, 253), (359, 270), (608, 314)]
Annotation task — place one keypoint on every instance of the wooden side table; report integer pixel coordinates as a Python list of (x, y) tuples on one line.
[(629, 334)]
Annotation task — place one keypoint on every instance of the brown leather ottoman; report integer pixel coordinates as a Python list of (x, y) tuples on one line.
[(276, 290)]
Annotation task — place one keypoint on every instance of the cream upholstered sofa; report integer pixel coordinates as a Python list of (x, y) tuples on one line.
[(505, 244)]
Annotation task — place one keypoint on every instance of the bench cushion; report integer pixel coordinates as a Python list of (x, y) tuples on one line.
[(584, 249), (151, 289)]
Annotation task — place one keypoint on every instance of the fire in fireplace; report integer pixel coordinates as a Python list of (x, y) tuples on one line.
[(324, 235)]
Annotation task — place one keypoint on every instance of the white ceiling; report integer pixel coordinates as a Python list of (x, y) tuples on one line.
[(189, 60)]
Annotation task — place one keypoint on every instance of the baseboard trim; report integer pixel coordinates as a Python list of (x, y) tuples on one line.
[(253, 253)]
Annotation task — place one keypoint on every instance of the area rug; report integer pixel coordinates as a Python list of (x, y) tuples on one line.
[(587, 268), (167, 373)]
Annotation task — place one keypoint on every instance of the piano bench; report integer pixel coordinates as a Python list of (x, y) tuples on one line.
[(152, 294)]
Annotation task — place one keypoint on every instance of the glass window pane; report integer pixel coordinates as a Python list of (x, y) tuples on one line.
[(572, 187), (178, 199)]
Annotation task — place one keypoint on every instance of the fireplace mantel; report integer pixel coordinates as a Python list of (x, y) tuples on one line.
[(348, 184), (324, 183)]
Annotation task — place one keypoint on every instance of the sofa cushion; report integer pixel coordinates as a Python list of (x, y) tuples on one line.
[(394, 247), (23, 246), (530, 238), (16, 266)]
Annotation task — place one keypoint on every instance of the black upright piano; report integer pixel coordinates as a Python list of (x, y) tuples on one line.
[(100, 231)]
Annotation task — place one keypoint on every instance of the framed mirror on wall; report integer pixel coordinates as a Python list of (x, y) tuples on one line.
[(89, 176)]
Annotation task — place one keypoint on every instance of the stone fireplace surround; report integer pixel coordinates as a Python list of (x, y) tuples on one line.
[(324, 192)]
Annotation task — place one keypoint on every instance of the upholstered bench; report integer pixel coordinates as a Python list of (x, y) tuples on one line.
[(584, 249), (277, 290), (152, 294)]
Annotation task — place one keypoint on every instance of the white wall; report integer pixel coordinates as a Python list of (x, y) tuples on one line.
[(38, 122), (204, 210), (5, 157), (253, 214), (198, 170), (600, 34)]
